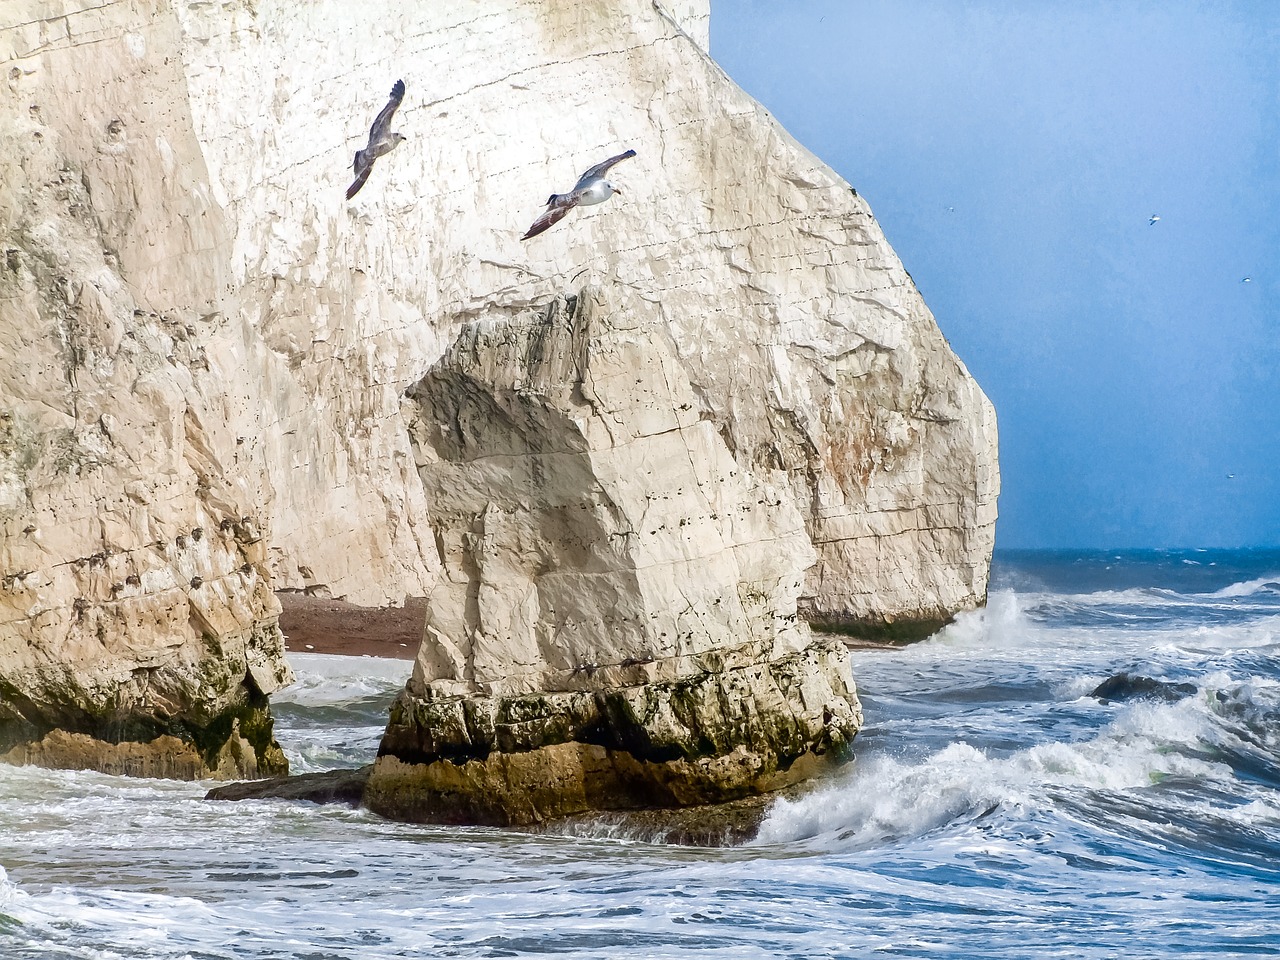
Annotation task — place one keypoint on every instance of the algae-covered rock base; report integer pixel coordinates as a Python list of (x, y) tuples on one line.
[(714, 737), (705, 825)]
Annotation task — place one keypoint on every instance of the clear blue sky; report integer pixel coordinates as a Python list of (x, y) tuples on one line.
[(1013, 153)]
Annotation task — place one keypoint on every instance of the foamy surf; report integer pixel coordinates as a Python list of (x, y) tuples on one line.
[(334, 715), (326, 678), (886, 800), (1269, 585), (996, 809)]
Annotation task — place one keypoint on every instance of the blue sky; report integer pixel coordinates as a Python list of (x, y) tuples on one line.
[(1013, 153)]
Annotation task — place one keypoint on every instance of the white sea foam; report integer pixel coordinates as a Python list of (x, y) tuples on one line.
[(1261, 813), (1001, 624), (1255, 634), (328, 679), (1249, 708), (8, 893), (1149, 603), (886, 799), (334, 665), (134, 917)]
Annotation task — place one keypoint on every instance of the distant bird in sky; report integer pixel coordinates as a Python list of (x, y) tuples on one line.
[(1246, 279), (382, 140), (1154, 220), (591, 188)]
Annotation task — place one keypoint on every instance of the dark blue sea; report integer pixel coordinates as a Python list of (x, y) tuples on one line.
[(996, 808)]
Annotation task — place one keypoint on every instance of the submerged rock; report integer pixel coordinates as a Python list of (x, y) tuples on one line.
[(344, 787), (713, 825), (1132, 686)]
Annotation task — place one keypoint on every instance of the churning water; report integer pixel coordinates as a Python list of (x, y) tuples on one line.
[(995, 809)]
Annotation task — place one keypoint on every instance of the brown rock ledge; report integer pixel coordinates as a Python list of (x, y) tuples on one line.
[(530, 759), (707, 825)]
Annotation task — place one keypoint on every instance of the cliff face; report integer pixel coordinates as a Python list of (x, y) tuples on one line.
[(801, 334), (201, 335), (137, 621)]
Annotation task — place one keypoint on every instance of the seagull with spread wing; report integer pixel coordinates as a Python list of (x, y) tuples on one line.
[(591, 188), (382, 140)]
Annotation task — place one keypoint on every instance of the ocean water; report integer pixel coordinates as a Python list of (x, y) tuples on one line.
[(995, 809)]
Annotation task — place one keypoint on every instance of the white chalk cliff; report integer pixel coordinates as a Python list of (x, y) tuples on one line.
[(172, 195), (800, 330), (137, 620)]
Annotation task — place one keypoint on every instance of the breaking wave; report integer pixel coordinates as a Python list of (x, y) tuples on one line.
[(1225, 741)]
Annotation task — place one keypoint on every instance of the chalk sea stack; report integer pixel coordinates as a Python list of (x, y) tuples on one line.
[(608, 632)]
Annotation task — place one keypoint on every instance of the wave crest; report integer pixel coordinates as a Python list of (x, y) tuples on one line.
[(886, 799), (1249, 588)]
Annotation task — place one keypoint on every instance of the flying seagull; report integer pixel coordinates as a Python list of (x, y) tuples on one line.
[(381, 140), (1155, 218), (591, 188)]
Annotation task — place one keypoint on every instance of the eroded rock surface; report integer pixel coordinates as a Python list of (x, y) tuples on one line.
[(594, 527), (137, 623)]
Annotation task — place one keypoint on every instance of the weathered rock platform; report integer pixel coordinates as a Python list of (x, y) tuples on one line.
[(707, 739)]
